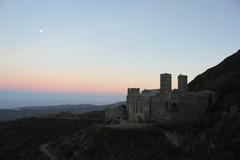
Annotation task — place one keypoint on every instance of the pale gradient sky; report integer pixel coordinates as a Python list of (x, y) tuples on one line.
[(99, 48)]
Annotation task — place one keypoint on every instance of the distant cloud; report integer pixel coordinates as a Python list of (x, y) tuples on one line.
[(83, 45)]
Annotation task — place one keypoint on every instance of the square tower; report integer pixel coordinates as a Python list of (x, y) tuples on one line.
[(133, 91), (182, 83), (166, 82), (132, 95)]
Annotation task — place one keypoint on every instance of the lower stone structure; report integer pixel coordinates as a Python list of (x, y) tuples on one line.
[(115, 115), (174, 105)]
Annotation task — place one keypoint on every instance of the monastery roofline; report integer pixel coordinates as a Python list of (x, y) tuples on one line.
[(183, 75), (165, 74)]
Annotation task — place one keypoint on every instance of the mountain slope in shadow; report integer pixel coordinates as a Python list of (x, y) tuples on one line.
[(224, 79)]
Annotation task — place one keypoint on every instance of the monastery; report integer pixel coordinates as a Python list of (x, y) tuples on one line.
[(163, 104), (167, 104)]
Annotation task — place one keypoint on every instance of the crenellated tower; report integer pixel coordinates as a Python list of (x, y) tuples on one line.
[(132, 93)]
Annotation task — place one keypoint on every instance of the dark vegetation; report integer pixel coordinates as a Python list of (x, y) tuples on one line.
[(215, 138), (95, 115), (20, 139), (100, 143)]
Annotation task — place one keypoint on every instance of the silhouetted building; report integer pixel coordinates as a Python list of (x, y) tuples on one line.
[(167, 104), (183, 83), (166, 82)]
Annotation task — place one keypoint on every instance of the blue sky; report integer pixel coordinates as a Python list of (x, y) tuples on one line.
[(99, 48)]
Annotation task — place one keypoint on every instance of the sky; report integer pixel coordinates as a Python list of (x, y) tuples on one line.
[(91, 51)]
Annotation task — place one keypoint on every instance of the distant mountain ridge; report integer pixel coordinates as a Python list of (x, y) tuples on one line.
[(31, 111), (224, 79)]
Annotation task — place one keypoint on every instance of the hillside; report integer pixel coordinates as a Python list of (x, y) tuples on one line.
[(20, 139), (209, 138), (224, 79), (76, 139), (101, 143)]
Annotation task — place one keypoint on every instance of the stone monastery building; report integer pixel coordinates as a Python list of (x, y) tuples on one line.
[(167, 104)]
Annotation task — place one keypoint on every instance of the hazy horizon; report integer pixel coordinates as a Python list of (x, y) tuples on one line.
[(14, 99)]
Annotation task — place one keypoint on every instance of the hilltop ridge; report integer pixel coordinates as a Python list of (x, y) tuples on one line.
[(223, 78)]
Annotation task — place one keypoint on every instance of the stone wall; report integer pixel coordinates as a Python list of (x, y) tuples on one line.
[(115, 114), (180, 106), (158, 107), (138, 108), (193, 105)]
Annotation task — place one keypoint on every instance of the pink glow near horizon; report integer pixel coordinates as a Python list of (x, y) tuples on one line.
[(60, 86), (64, 84)]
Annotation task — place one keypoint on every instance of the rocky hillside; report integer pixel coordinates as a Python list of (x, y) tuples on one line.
[(209, 138), (224, 78)]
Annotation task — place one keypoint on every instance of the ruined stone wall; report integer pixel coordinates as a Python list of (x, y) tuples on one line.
[(115, 114)]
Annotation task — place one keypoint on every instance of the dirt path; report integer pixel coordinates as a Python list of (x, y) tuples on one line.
[(43, 149)]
